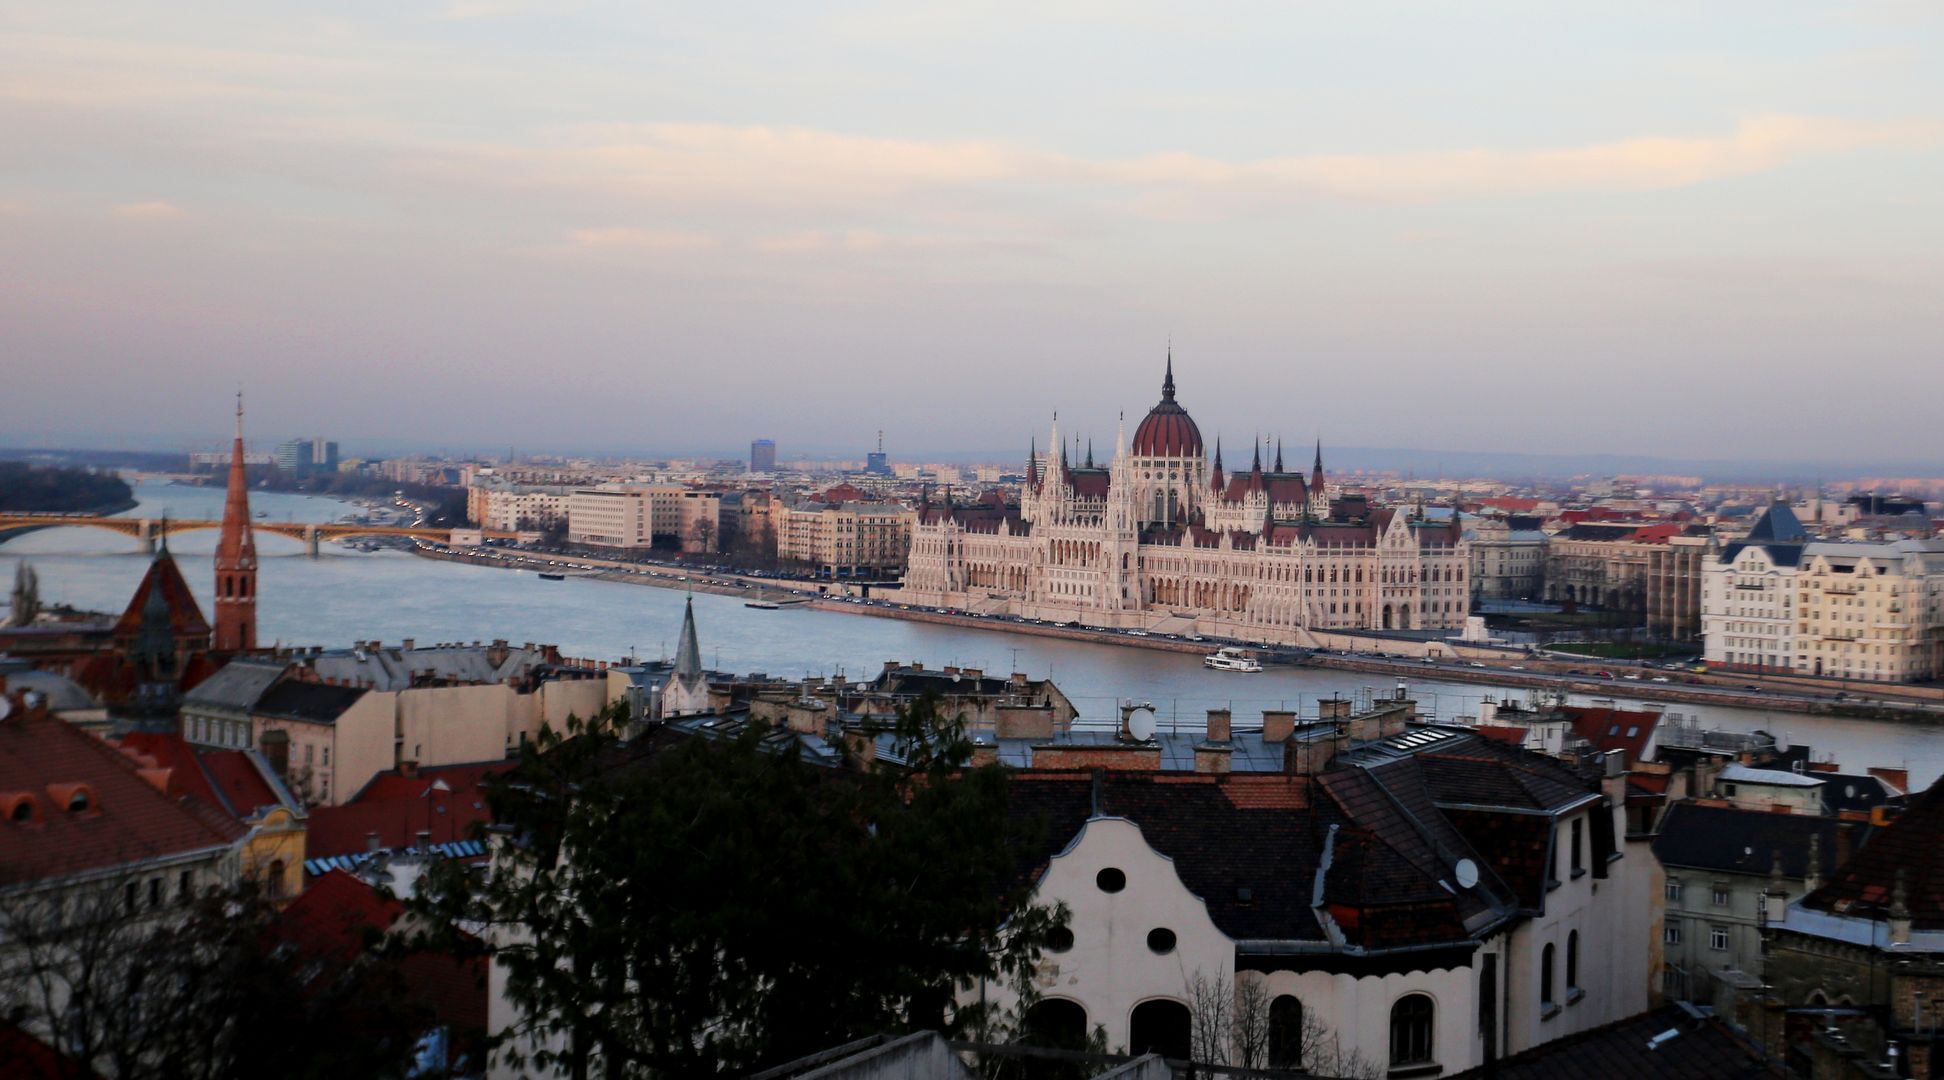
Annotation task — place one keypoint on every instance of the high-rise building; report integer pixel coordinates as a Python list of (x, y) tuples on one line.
[(236, 558), (762, 455), (876, 462), (307, 455)]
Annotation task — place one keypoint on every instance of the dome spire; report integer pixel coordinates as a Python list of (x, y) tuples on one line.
[(1167, 381)]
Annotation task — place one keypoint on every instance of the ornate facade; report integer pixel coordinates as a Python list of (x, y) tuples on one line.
[(1159, 538)]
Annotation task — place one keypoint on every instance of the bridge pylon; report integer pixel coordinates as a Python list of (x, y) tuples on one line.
[(311, 540), (147, 535)]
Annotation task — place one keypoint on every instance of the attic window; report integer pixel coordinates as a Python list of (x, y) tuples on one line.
[(1161, 940), (21, 808), (1111, 880), (78, 802)]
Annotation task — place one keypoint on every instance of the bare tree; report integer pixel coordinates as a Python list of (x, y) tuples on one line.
[(1234, 1023), (134, 978)]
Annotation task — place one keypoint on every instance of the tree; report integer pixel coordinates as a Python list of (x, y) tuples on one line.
[(689, 906), (1233, 1022), (702, 534), (195, 990)]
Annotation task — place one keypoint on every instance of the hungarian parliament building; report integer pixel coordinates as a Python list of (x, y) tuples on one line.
[(1161, 540)]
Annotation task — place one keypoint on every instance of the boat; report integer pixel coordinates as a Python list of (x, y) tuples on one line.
[(550, 576), (1231, 660), (762, 605)]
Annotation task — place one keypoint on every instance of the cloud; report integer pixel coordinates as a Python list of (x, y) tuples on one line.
[(631, 239), (805, 171), (460, 10), (150, 211)]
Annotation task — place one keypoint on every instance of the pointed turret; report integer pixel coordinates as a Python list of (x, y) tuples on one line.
[(1279, 467), (1167, 380), (688, 651), (236, 558), (1032, 462), (1215, 479)]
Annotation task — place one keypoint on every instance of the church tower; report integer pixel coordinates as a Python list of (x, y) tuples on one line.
[(236, 558)]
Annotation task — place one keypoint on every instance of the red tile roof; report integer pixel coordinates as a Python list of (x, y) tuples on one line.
[(446, 802), (46, 761), (338, 914), (1614, 729), (185, 618), (222, 778)]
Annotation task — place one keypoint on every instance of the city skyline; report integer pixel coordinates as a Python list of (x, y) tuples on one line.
[(474, 224)]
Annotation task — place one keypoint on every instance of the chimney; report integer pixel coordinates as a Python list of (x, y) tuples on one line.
[(1218, 725), (1213, 759), (1277, 725), (424, 839), (372, 843), (1775, 898), (408, 769), (407, 643), (1019, 678), (1900, 909)]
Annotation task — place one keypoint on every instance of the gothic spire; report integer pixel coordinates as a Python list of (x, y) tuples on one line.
[(1090, 463), (1279, 467), (236, 559), (688, 652), (1167, 382)]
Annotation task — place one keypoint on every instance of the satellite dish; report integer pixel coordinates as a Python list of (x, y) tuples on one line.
[(1467, 873), (1140, 726)]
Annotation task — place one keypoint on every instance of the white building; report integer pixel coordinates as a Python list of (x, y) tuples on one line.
[(1748, 596), (1424, 904), (637, 515)]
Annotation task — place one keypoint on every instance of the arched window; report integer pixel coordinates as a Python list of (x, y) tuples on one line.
[(1058, 1023), (1572, 961), (1285, 1033), (1410, 1031), (1546, 976), (1161, 1027)]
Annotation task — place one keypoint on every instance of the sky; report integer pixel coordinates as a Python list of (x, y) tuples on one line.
[(1704, 230)]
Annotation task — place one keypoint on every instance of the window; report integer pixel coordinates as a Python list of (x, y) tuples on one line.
[(128, 897), (185, 887), (1674, 889), (1285, 1033), (1572, 965), (1671, 933), (1719, 896), (1546, 980), (1410, 1031), (155, 892), (1059, 939), (1718, 938), (327, 757), (1111, 879), (1579, 861), (1161, 940)]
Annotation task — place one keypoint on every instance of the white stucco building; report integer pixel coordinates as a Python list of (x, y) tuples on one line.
[(1421, 905)]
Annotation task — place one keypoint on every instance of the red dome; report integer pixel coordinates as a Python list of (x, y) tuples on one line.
[(1167, 430)]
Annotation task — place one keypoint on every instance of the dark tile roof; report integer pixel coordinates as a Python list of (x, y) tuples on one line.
[(1778, 522), (185, 618), (127, 818), (316, 703), (1699, 1049), (1862, 886), (1727, 839)]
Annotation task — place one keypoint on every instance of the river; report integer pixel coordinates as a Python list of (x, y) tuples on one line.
[(345, 596)]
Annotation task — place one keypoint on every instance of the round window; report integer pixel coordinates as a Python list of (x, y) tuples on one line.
[(1111, 880), (1059, 939), (1161, 940)]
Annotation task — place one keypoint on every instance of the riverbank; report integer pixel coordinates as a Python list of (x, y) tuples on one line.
[(1528, 674)]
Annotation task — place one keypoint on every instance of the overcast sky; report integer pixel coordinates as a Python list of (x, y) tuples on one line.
[(1710, 230)]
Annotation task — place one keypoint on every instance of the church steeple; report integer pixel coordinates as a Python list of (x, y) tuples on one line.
[(236, 559)]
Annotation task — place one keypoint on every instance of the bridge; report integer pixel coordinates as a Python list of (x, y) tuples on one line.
[(149, 530)]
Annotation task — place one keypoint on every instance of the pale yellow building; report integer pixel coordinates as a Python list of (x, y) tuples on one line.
[(1871, 612), (846, 539), (636, 515)]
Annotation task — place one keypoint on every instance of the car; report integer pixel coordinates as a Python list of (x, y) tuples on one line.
[(1475, 663), (1603, 674), (1631, 678), (1137, 633), (1660, 678), (1195, 637), (1429, 660)]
